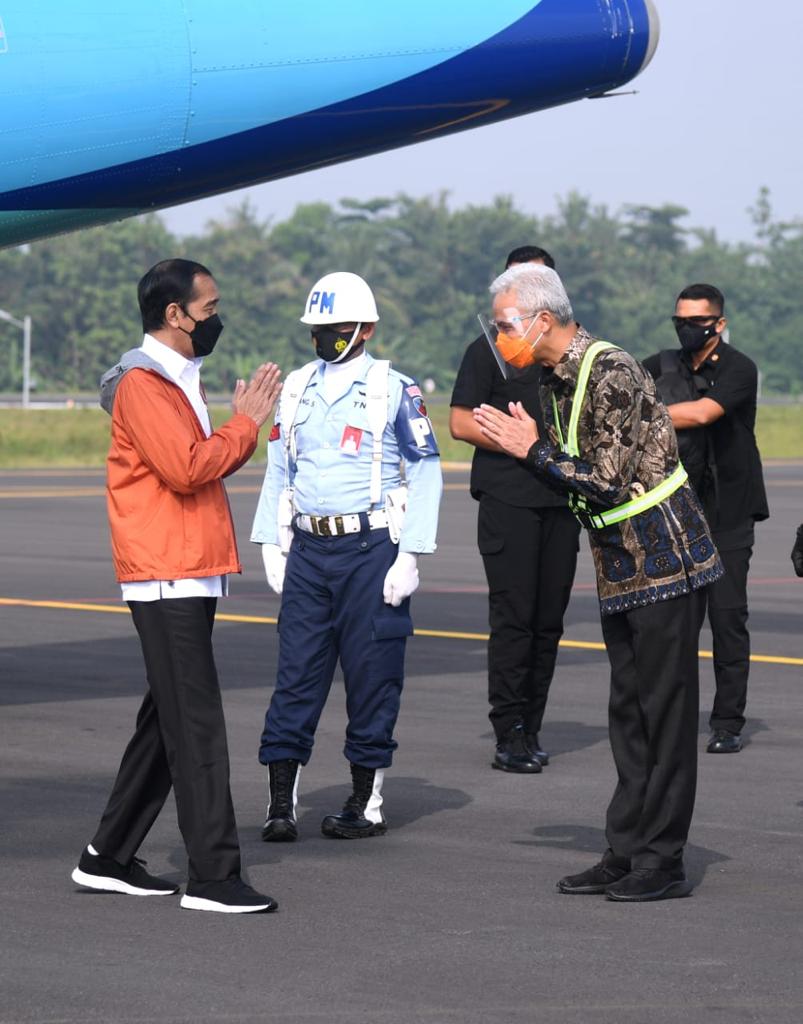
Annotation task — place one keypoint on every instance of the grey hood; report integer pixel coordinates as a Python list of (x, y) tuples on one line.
[(133, 359)]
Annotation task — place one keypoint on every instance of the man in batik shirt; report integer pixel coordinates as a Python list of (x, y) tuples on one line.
[(611, 447)]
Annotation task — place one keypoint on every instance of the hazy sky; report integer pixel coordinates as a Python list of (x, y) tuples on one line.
[(717, 115)]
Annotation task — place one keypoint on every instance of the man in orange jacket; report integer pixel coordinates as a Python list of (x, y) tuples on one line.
[(173, 546)]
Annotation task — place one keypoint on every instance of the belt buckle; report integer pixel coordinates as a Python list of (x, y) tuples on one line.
[(591, 520), (321, 527), (340, 528), (583, 518)]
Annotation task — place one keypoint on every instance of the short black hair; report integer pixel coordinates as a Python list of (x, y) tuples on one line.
[(169, 281), (713, 296), (528, 253)]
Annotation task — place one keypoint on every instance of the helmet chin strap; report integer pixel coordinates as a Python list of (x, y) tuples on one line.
[(350, 345)]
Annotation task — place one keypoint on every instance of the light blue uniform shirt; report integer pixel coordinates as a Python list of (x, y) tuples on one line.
[(331, 474)]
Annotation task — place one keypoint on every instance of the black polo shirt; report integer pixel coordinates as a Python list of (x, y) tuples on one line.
[(731, 380), (479, 380)]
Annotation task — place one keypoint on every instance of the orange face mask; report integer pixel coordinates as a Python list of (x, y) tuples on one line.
[(516, 350)]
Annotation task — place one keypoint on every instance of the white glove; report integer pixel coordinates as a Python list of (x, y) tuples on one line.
[(275, 563), (401, 579)]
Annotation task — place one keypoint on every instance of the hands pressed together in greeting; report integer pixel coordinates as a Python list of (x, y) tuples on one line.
[(515, 433), (258, 397)]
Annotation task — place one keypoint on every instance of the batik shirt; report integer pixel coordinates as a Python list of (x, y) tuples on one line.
[(627, 446)]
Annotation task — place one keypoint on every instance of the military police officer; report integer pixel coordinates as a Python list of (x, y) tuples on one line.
[(341, 528)]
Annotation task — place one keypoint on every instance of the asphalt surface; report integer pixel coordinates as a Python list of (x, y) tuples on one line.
[(451, 917)]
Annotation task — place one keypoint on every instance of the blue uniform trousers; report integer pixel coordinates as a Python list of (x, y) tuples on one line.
[(332, 608)]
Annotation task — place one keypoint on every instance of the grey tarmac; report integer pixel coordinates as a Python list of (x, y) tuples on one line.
[(453, 915)]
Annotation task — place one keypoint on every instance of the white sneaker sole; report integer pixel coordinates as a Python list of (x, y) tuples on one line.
[(197, 903), (104, 884)]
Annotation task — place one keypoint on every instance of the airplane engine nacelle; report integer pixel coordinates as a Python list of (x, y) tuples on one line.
[(114, 108)]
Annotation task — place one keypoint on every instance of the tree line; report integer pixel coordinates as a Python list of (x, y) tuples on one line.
[(430, 267)]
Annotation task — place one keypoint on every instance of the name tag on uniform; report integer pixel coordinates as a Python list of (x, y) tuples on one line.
[(351, 440)]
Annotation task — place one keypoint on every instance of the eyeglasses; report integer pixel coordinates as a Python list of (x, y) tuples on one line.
[(509, 326), (695, 321)]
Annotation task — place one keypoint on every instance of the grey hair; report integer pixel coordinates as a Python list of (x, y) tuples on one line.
[(537, 288)]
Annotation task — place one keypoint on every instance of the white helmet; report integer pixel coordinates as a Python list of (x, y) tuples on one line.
[(340, 298)]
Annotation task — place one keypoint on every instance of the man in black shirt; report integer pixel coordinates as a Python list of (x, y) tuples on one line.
[(719, 406), (528, 540)]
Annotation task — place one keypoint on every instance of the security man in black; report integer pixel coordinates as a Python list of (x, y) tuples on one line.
[(528, 540), (711, 390)]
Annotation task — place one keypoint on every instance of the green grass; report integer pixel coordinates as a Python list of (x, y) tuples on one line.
[(779, 430), (53, 437), (58, 438)]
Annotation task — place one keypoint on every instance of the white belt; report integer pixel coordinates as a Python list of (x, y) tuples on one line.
[(339, 526)]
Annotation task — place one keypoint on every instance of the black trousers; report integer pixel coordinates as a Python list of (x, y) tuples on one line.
[(652, 718), (530, 556), (179, 741), (727, 615)]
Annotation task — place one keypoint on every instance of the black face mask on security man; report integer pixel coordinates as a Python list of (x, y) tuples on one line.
[(331, 345), (693, 337), (205, 334)]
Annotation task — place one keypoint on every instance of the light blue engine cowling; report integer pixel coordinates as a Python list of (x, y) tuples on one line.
[(113, 108)]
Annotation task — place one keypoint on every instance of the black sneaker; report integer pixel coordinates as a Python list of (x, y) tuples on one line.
[(231, 896), (95, 871), (595, 880), (646, 884)]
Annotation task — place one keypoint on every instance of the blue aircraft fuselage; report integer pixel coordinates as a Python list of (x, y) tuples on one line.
[(113, 108)]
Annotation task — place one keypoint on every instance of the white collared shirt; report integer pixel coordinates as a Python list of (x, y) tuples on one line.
[(186, 373)]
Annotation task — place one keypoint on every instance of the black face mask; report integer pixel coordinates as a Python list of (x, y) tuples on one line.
[(331, 346), (692, 338), (205, 334)]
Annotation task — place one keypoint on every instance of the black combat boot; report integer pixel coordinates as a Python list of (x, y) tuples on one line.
[(280, 822), (362, 813), (513, 755)]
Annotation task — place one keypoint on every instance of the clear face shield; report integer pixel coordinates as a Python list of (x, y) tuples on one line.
[(512, 340)]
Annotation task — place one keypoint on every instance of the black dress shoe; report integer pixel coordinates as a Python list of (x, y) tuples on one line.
[(595, 880), (643, 884), (723, 742), (535, 748), (513, 754)]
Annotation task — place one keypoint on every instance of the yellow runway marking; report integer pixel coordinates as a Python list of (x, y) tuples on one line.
[(70, 606), (266, 620)]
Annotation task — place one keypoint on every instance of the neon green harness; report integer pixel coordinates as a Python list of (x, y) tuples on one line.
[(577, 503)]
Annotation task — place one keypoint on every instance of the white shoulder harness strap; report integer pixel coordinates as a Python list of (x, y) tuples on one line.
[(294, 388), (376, 392)]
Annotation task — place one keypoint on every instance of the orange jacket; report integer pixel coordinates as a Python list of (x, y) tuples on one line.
[(168, 509)]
